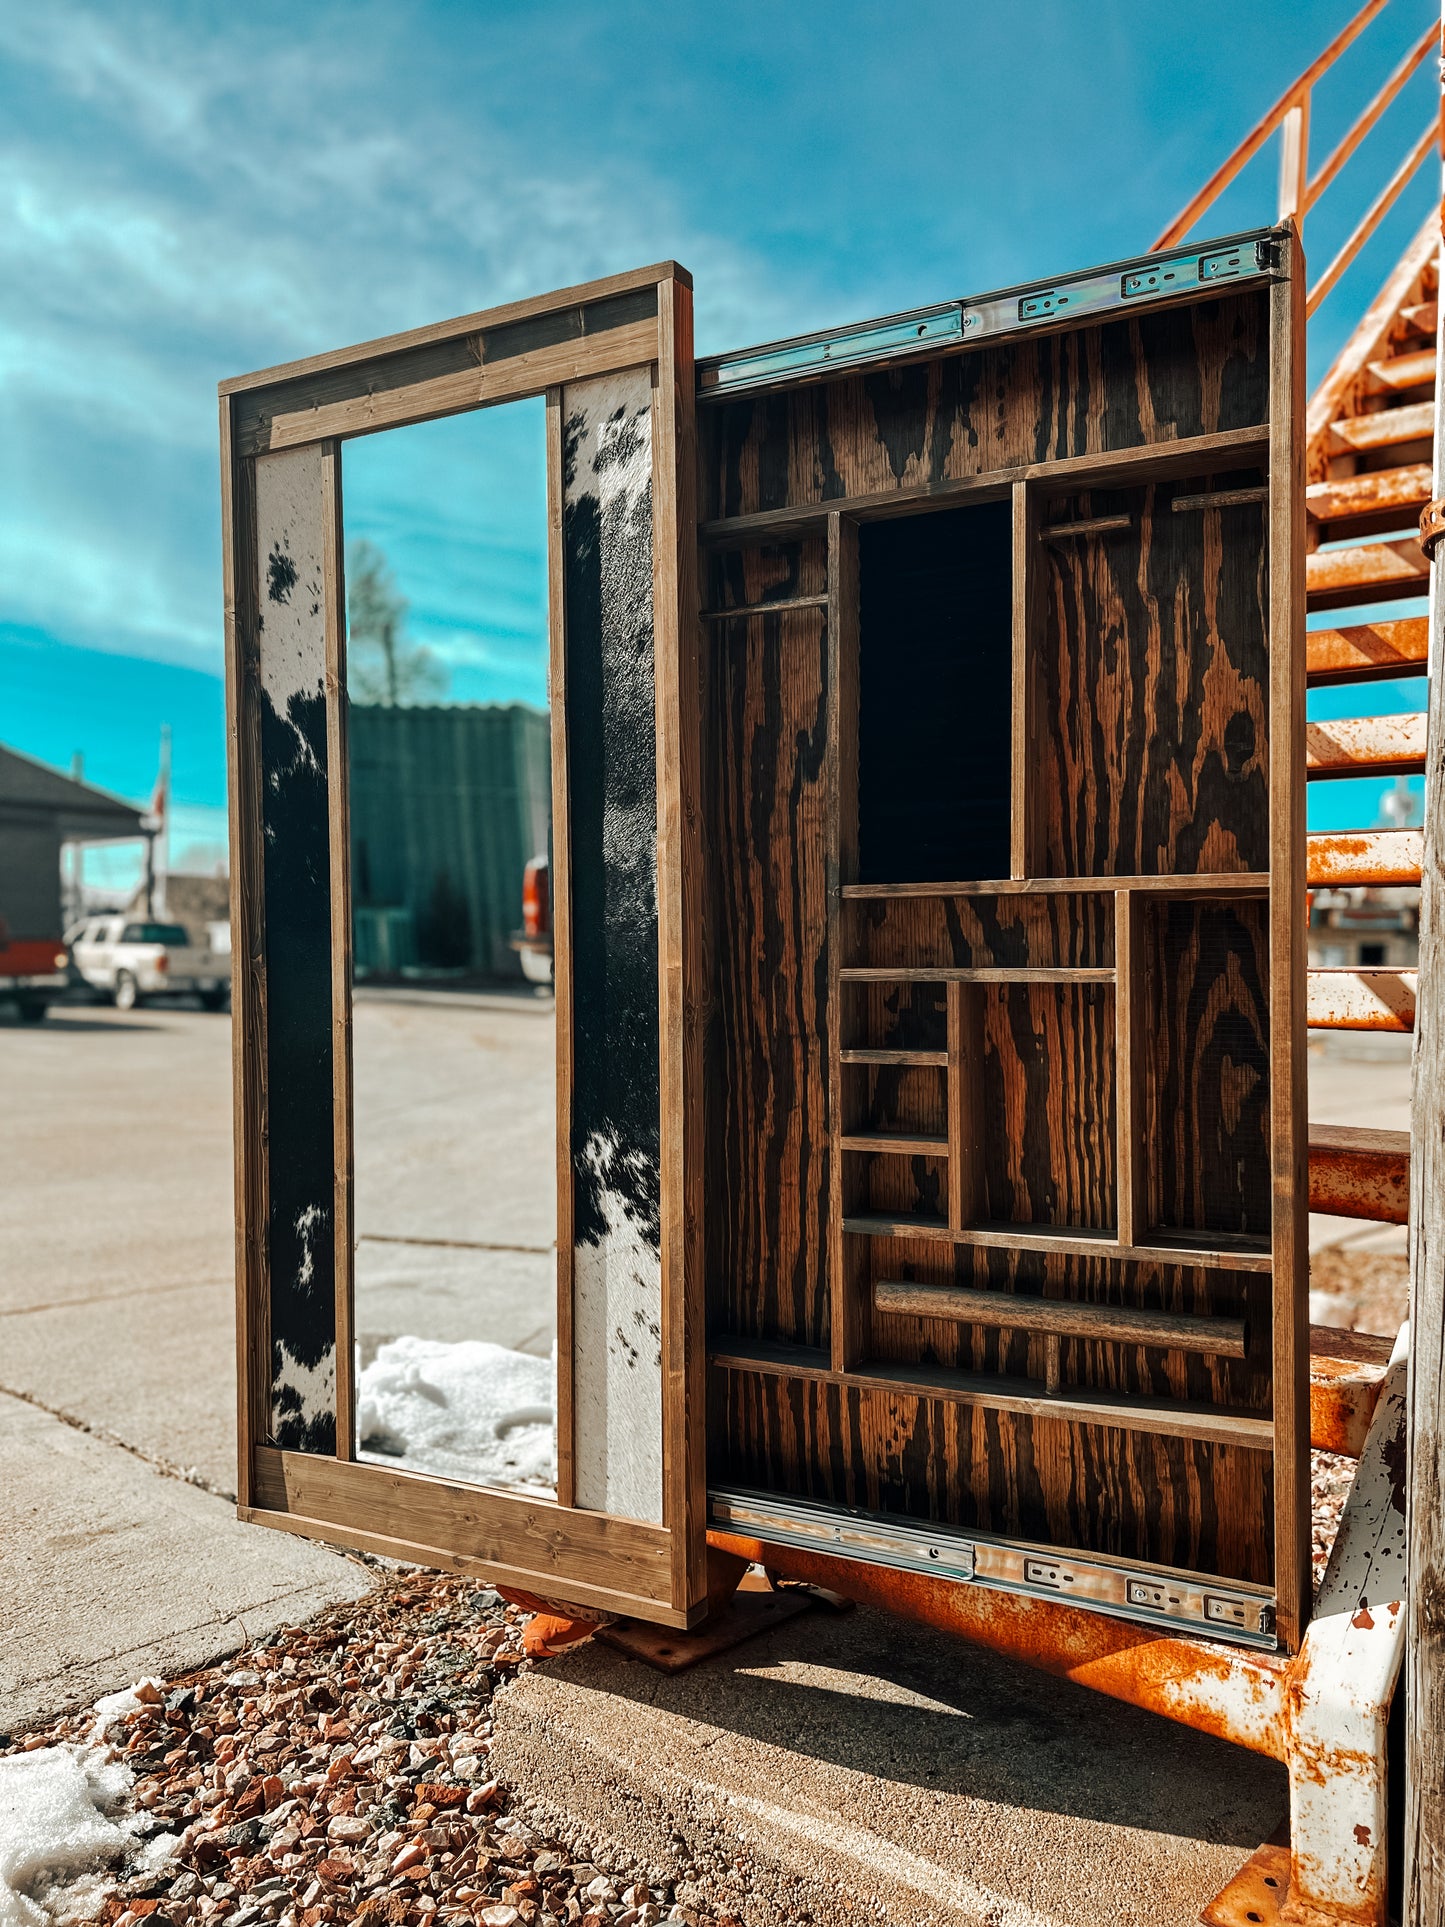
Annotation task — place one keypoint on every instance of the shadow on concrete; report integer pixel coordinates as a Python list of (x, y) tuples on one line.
[(882, 1697), (74, 1025)]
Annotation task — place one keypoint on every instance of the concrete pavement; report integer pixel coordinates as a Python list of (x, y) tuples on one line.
[(862, 1768), (117, 1307), (110, 1571)]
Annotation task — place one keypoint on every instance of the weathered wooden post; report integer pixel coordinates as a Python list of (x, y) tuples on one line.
[(1425, 1512)]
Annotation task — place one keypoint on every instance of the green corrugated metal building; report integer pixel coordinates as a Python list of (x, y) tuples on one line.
[(447, 807)]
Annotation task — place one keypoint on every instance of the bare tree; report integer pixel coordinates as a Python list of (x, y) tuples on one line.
[(383, 665)]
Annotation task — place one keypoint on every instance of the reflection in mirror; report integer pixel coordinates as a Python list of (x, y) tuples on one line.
[(453, 1030)]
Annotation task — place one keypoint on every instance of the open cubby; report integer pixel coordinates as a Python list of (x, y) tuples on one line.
[(896, 1016), (897, 1184), (1086, 1363), (935, 694), (1152, 680), (1204, 985), (987, 931), (1040, 1113), (895, 1100)]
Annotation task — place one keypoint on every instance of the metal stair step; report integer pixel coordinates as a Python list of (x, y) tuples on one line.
[(1367, 651), (1372, 572), (1356, 1173), (1376, 504), (1341, 858), (1367, 746), (1423, 317), (1387, 429), (1374, 999), (1400, 371)]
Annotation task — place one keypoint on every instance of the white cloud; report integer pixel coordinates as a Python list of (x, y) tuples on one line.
[(185, 195)]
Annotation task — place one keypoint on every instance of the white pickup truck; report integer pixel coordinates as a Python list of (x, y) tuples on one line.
[(128, 961)]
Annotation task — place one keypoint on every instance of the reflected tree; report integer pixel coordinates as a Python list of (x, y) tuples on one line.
[(383, 664)]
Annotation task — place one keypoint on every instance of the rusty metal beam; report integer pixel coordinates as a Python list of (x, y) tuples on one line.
[(1366, 651), (1347, 1376), (1357, 1173), (1341, 1686), (1363, 856), (1367, 746), (1263, 128), (1360, 1000)]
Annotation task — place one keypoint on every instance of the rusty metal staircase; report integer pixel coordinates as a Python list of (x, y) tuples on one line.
[(1369, 443)]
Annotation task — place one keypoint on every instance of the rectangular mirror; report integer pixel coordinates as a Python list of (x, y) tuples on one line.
[(448, 734)]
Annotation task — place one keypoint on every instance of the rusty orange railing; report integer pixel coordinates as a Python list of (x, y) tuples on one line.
[(1290, 118)]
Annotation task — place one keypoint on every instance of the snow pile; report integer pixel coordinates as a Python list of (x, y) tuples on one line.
[(469, 1411), (64, 1832)]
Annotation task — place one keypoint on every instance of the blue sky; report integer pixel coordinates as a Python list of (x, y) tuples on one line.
[(189, 191)]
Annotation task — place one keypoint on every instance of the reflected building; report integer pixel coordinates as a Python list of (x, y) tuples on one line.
[(448, 807)]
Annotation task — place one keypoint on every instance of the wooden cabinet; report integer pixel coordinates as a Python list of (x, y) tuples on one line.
[(1004, 1108), (971, 1016)]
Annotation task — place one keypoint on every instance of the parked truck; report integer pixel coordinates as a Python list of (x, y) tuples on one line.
[(128, 960), (32, 973)]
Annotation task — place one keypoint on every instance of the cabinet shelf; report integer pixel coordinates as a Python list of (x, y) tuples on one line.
[(899, 1143), (861, 1054), (1171, 1417), (1082, 1241)]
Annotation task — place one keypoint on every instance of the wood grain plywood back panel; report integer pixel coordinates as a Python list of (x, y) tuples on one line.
[(1048, 1093), (1134, 1371), (296, 866), (1170, 1501), (1154, 677), (612, 776), (769, 1130), (1142, 379), (1206, 1031)]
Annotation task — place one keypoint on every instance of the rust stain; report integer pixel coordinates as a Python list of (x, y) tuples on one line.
[(1359, 1182), (1362, 1835), (1375, 856), (1364, 1619), (1347, 1375)]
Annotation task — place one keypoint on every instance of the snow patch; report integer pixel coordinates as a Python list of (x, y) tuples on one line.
[(65, 1834), (469, 1410)]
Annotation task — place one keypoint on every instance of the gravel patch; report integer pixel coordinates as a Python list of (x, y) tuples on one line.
[(340, 1773)]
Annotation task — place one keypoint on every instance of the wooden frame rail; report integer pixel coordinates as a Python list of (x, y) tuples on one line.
[(614, 362)]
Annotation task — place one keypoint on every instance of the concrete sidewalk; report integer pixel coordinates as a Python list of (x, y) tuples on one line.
[(110, 1570), (857, 1768), (116, 1323)]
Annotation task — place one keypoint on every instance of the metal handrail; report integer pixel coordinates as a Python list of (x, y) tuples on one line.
[(1290, 118), (1294, 100)]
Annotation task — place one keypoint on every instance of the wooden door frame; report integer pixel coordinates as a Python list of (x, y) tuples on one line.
[(530, 348)]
